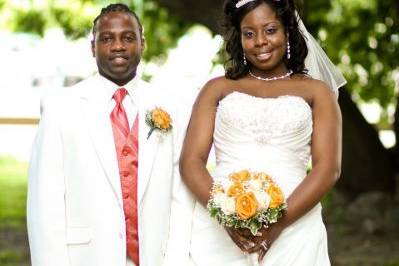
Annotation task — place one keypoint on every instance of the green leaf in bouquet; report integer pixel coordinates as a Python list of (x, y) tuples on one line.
[(254, 225)]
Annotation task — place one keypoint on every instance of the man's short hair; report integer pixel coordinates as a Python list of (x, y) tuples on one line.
[(116, 8)]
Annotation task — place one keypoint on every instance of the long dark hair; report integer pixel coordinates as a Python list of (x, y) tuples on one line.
[(232, 17)]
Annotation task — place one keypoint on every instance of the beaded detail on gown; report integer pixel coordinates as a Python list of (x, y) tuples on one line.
[(272, 135)]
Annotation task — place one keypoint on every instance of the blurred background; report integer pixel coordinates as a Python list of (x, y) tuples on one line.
[(45, 45)]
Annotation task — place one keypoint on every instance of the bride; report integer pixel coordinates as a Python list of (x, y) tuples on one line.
[(266, 114)]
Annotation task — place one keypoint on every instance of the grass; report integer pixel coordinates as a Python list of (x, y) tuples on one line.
[(13, 240), (13, 182)]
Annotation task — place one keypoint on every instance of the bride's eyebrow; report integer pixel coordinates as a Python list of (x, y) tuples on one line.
[(270, 23)]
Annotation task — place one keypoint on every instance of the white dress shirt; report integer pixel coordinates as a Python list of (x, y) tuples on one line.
[(130, 102)]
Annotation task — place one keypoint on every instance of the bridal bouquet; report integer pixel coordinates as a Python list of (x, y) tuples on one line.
[(246, 200)]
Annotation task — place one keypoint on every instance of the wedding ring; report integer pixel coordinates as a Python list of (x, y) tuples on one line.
[(264, 245)]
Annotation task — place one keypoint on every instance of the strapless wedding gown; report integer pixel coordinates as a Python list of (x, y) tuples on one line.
[(272, 135)]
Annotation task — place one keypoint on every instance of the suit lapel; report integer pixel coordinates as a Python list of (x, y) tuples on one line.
[(147, 147), (100, 130)]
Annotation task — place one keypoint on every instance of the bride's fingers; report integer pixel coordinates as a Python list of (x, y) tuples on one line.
[(243, 243), (262, 254), (256, 248), (245, 232), (264, 248)]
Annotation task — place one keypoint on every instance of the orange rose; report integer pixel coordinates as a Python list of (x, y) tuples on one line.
[(276, 195), (240, 176), (246, 205), (235, 189), (161, 118), (262, 176)]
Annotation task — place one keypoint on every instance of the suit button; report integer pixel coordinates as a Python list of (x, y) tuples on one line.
[(126, 151)]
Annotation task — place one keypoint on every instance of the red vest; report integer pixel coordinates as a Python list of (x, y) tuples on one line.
[(128, 170)]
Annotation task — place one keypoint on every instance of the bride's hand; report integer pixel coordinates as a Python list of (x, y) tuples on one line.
[(268, 236), (246, 242)]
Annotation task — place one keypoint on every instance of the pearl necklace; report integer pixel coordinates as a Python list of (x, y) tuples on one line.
[(286, 75)]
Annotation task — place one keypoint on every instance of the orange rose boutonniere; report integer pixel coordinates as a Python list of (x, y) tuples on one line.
[(158, 119)]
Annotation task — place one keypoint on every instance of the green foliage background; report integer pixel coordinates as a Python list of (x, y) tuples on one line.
[(360, 36), (75, 17)]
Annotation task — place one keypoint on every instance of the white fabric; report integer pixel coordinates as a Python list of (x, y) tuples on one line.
[(319, 65), (129, 262), (130, 102), (271, 135), (74, 209)]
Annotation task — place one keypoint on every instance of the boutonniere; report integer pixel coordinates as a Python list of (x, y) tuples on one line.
[(158, 119)]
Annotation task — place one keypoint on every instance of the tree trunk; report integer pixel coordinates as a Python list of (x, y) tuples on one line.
[(396, 130), (205, 12), (366, 165)]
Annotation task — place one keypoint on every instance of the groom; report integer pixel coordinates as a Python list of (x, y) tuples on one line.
[(101, 172)]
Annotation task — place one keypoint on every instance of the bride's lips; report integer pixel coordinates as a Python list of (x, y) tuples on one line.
[(263, 56)]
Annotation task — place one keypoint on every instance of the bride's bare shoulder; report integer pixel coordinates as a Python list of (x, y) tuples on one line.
[(314, 89), (217, 87)]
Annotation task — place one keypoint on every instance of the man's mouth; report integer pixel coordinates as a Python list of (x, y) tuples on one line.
[(118, 59)]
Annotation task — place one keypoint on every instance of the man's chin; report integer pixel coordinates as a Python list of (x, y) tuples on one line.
[(121, 78)]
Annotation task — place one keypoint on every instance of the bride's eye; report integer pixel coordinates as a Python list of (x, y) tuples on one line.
[(270, 30), (248, 34)]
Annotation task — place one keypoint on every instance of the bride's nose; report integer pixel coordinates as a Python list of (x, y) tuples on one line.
[(261, 39)]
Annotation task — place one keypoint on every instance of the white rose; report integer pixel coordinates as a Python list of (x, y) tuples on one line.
[(225, 183), (228, 205), (255, 185), (263, 199), (218, 198)]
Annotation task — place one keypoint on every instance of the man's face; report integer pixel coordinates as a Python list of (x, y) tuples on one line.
[(118, 46)]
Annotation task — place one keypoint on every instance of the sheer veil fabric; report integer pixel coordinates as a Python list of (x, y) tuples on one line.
[(318, 64)]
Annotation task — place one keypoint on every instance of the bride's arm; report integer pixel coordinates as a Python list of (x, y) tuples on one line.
[(196, 147), (326, 154), (326, 160), (198, 142)]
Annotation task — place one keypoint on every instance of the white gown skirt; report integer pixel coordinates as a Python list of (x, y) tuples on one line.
[(304, 243)]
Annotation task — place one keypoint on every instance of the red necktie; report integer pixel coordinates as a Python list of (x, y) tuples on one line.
[(126, 144), (118, 116)]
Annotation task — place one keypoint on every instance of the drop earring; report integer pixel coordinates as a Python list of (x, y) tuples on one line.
[(244, 59), (288, 50)]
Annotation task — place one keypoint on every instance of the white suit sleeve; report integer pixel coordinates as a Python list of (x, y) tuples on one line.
[(46, 190), (183, 202)]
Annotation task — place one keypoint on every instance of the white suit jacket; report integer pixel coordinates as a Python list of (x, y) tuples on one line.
[(74, 211)]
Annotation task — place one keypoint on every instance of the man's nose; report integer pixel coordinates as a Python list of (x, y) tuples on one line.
[(118, 44)]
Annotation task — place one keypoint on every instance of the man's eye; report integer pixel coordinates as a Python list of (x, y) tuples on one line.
[(105, 39), (129, 38)]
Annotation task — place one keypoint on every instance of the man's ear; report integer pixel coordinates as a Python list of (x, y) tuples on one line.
[(93, 46), (142, 44)]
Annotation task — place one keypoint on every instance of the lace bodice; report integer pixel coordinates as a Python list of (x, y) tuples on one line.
[(269, 134)]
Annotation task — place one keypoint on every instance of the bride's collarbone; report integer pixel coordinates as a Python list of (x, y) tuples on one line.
[(270, 89)]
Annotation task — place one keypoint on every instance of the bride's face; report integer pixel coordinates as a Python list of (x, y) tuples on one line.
[(263, 40)]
